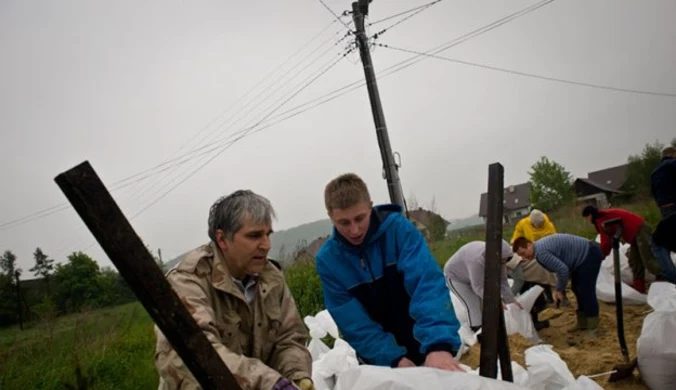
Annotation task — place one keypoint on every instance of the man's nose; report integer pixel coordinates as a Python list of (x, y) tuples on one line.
[(266, 243)]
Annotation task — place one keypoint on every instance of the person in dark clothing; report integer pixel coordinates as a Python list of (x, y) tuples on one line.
[(663, 182), (635, 232), (663, 188), (382, 285)]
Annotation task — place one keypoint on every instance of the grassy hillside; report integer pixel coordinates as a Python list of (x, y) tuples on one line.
[(288, 239)]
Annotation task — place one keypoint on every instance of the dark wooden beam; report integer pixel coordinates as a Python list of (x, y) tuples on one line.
[(114, 233), (494, 342)]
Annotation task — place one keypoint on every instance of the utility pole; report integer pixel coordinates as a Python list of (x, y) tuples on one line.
[(159, 254), (359, 10)]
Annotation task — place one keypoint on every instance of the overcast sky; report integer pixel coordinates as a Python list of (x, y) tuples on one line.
[(126, 84)]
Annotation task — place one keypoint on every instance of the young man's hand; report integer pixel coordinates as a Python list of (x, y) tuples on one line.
[(442, 360), (559, 297), (405, 362)]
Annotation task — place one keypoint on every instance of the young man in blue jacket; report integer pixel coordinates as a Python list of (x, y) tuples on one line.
[(382, 285)]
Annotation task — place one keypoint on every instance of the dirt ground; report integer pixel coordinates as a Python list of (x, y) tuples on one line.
[(583, 355)]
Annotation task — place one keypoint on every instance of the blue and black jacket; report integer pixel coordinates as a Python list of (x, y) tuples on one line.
[(388, 296)]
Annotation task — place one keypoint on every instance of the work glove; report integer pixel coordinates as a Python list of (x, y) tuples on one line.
[(284, 384), (305, 384)]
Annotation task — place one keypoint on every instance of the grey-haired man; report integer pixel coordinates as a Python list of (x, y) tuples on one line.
[(240, 300)]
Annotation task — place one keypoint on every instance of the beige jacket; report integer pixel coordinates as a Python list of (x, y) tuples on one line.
[(259, 345), (532, 271)]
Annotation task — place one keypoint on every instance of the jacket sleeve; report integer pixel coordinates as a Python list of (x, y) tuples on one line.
[(505, 289), (250, 373), (606, 245), (554, 264), (367, 337), (290, 357), (436, 325)]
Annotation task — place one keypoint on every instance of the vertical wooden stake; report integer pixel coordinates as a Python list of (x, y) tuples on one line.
[(494, 343)]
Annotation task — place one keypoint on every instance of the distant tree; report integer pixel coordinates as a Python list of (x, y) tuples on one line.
[(640, 166), (8, 264), (551, 185), (77, 282), (437, 228), (43, 264)]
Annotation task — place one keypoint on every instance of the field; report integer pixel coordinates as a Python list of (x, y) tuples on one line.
[(113, 348)]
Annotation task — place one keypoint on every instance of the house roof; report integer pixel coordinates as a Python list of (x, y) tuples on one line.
[(599, 186), (515, 197), (424, 216), (611, 178)]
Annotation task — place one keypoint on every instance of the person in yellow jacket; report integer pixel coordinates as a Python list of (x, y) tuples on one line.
[(528, 274), (534, 227)]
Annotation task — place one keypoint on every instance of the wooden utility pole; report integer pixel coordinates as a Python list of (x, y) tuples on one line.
[(159, 254), (494, 343), (18, 298), (359, 10), (112, 230)]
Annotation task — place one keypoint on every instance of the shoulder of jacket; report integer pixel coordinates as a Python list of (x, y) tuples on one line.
[(197, 261)]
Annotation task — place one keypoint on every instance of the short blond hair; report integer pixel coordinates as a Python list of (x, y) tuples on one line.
[(345, 191)]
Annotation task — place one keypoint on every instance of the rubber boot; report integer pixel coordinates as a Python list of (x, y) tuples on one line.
[(592, 326), (581, 322), (639, 285)]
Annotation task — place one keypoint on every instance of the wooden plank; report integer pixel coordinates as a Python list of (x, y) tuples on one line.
[(114, 233), (494, 339)]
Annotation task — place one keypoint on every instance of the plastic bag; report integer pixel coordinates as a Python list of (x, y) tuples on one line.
[(605, 290), (337, 360), (519, 320), (656, 346), (415, 378), (546, 370), (625, 270), (318, 327)]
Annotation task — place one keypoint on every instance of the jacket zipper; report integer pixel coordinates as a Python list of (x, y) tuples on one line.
[(368, 265)]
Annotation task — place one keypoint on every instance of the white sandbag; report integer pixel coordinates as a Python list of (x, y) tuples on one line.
[(546, 370), (605, 290), (625, 270), (317, 330), (519, 320), (415, 378), (331, 364), (519, 374), (656, 346)]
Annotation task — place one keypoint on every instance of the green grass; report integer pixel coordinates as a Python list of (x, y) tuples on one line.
[(114, 347)]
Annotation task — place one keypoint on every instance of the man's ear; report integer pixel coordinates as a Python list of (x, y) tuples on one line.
[(221, 240)]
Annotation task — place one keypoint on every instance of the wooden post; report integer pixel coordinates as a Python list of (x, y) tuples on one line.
[(112, 230), (494, 343)]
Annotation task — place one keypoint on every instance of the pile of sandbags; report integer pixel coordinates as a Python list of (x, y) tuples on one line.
[(605, 284), (546, 371), (656, 346)]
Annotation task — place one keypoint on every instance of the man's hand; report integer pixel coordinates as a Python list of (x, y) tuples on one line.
[(517, 304), (559, 297), (405, 362), (305, 384), (442, 360)]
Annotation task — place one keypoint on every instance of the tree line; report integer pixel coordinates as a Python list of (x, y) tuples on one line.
[(57, 289)]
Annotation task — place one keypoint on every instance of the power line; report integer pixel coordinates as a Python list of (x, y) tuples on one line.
[(402, 13), (178, 161), (328, 97), (335, 15), (419, 10), (531, 75), (324, 71)]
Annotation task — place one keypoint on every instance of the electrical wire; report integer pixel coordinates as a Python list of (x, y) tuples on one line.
[(419, 10), (531, 75), (335, 15)]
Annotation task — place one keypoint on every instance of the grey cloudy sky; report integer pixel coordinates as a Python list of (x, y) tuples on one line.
[(125, 84)]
